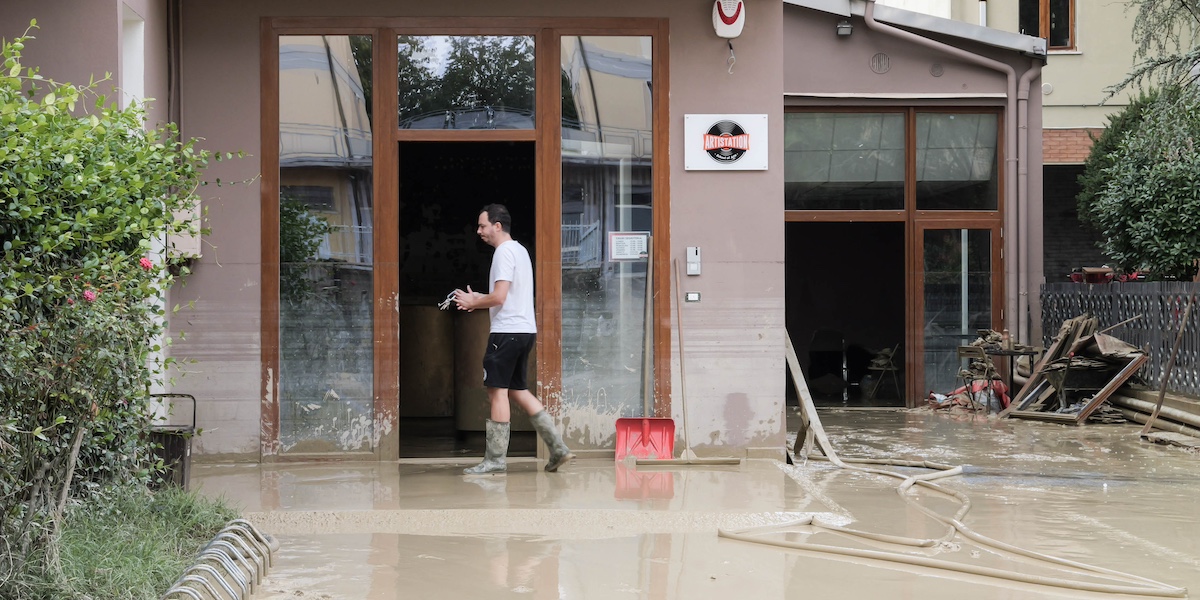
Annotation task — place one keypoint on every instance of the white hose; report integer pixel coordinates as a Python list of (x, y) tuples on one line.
[(1125, 583)]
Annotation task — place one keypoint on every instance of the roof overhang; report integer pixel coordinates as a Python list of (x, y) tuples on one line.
[(908, 19)]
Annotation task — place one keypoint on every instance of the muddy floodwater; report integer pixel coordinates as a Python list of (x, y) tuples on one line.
[(1095, 495)]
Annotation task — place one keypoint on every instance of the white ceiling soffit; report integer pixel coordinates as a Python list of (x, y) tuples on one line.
[(923, 22)]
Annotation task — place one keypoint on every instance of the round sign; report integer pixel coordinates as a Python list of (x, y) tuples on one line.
[(726, 142)]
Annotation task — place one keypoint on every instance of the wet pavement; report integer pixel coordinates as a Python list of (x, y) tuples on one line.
[(1094, 494)]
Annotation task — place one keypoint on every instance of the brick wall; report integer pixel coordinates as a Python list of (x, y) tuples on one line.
[(1066, 242), (1067, 146)]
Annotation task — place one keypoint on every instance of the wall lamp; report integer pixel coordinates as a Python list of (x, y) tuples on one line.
[(844, 27)]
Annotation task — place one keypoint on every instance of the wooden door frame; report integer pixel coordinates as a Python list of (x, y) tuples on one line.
[(386, 137), (916, 388), (916, 221)]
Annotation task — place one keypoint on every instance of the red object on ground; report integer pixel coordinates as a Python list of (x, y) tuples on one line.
[(645, 437)]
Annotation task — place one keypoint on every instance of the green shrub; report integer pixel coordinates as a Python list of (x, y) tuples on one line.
[(85, 192), (1149, 207)]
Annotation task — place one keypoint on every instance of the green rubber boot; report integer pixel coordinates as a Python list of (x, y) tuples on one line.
[(543, 423), (495, 450)]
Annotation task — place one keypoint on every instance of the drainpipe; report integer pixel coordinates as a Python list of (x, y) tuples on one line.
[(983, 13), (1011, 200), (1025, 231)]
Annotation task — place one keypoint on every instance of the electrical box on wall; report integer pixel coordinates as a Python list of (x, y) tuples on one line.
[(693, 260)]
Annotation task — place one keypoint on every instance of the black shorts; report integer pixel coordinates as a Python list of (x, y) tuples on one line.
[(506, 360)]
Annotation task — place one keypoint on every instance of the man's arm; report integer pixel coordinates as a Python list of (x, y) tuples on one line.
[(471, 300)]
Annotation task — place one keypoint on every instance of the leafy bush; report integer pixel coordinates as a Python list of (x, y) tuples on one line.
[(85, 191), (1101, 157), (1149, 207)]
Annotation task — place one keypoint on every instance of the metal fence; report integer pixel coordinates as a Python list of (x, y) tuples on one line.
[(1161, 305)]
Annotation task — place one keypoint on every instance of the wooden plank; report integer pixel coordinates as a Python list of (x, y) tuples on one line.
[(1037, 415), (269, 241), (386, 249), (1068, 333), (1112, 385), (661, 216), (1173, 439)]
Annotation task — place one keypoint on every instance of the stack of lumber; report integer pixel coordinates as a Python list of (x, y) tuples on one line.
[(1179, 414), (1079, 372)]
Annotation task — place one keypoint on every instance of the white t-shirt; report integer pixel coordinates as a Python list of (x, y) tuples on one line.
[(511, 263)]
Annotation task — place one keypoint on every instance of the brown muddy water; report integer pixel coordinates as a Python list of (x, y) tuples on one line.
[(596, 530)]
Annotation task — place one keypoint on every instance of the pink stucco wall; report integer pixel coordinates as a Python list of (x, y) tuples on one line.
[(734, 337)]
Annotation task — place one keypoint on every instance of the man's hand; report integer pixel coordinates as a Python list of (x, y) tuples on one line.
[(467, 300)]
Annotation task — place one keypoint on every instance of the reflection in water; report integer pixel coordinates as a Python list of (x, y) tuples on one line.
[(1095, 494), (325, 244)]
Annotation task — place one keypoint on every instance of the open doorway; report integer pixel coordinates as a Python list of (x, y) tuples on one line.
[(845, 310), (443, 404)]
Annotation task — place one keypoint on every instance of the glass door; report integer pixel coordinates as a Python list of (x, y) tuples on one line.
[(607, 198), (960, 293)]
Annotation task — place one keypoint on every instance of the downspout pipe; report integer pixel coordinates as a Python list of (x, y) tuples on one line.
[(1024, 314), (1011, 201)]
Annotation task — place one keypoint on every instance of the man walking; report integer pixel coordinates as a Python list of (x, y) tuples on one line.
[(514, 330)]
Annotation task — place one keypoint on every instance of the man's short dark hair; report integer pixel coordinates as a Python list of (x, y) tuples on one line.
[(497, 213)]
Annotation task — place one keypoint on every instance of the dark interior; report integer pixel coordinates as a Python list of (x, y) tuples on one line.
[(443, 185), (845, 303)]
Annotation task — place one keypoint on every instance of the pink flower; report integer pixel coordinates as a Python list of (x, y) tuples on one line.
[(146, 264), (70, 301), (89, 295)]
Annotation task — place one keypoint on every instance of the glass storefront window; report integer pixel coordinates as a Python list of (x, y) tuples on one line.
[(325, 244), (465, 82), (844, 161), (956, 162), (607, 145)]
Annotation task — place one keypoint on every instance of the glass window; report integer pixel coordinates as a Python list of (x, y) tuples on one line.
[(465, 82), (956, 162), (1053, 20), (957, 296), (607, 206), (325, 244), (844, 161)]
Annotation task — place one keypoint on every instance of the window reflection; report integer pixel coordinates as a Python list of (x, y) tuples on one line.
[(844, 161), (956, 161), (325, 243), (958, 298), (465, 82), (607, 146)]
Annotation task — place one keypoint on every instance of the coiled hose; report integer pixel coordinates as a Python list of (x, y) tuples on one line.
[(1122, 583)]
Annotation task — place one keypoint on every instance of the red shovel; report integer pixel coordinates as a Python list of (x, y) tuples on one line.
[(646, 437)]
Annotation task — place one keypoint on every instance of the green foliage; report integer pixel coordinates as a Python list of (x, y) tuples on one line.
[(84, 192), (1149, 206), (1093, 179), (157, 534), (1166, 33), (478, 71), (300, 236)]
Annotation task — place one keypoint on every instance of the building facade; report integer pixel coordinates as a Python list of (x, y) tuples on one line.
[(850, 177)]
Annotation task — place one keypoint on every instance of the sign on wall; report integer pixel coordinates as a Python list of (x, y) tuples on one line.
[(725, 142), (624, 245)]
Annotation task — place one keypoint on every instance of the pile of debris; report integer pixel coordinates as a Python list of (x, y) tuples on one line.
[(1078, 373), (983, 388)]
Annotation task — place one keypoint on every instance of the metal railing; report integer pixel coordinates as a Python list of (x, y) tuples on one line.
[(1161, 306), (580, 245), (347, 243)]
